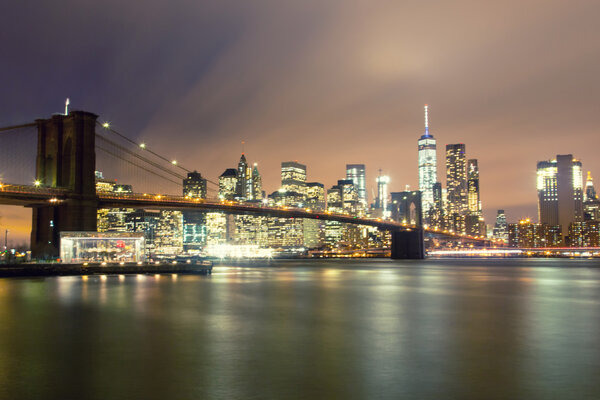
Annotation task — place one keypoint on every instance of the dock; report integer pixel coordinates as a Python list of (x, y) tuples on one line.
[(57, 269)]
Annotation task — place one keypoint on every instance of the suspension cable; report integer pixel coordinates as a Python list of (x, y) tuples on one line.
[(139, 166), (155, 165)]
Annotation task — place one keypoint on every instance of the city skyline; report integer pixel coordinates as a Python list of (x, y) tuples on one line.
[(351, 95)]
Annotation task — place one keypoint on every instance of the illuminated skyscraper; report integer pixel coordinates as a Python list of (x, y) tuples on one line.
[(382, 192), (474, 219), (474, 200), (314, 233), (427, 166), (257, 193), (590, 191), (293, 177), (560, 192), (194, 222), (501, 227), (194, 185), (456, 184), (356, 173), (243, 190), (228, 184), (591, 204)]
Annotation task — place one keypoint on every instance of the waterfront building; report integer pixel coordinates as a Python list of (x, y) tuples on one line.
[(427, 167), (228, 184), (293, 177), (250, 230), (218, 228), (501, 227), (343, 199), (314, 229), (560, 192), (114, 219), (169, 233), (456, 186), (146, 222), (286, 233), (527, 234), (194, 222), (356, 174)]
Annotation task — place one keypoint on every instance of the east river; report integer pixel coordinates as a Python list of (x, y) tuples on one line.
[(335, 329)]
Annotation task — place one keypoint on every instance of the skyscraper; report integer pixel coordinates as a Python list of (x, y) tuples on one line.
[(427, 166), (501, 227), (228, 184), (194, 222), (314, 233), (456, 184), (293, 177), (356, 173), (474, 219), (591, 204), (560, 192), (257, 193), (194, 185), (473, 198), (243, 190), (382, 202)]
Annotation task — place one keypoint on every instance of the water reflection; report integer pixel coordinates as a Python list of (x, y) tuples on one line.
[(304, 330)]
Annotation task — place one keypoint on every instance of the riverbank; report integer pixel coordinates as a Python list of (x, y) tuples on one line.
[(55, 269)]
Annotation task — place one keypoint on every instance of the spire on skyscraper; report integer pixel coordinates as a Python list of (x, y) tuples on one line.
[(426, 120)]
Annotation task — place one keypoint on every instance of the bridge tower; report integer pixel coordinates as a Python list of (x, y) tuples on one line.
[(407, 208), (66, 159)]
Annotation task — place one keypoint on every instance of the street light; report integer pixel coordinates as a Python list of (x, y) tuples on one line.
[(37, 183)]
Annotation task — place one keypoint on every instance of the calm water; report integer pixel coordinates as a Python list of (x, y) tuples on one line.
[(515, 329)]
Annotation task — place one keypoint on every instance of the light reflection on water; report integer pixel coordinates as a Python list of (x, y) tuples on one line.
[(332, 329)]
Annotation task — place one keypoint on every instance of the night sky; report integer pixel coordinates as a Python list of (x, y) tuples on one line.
[(322, 82)]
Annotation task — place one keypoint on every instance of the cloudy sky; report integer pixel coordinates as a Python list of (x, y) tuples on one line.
[(322, 82)]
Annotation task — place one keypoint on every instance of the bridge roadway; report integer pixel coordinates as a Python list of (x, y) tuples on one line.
[(34, 196)]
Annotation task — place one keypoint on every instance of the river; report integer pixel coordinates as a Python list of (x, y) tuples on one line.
[(332, 329)]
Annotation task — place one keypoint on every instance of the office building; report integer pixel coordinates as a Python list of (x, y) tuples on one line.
[(427, 167), (591, 204), (228, 184), (456, 187), (293, 177), (194, 186), (382, 200), (474, 224), (194, 221), (501, 227), (356, 173), (527, 234), (560, 192)]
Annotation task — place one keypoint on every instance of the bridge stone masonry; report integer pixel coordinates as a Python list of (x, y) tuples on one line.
[(64, 196)]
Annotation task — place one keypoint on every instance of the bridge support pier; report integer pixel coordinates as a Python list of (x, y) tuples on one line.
[(408, 245), (66, 158)]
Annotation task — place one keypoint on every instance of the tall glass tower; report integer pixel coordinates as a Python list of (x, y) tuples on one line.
[(427, 167), (356, 173)]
